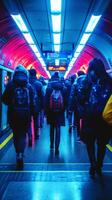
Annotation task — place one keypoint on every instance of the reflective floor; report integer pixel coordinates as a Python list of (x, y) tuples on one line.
[(49, 177)]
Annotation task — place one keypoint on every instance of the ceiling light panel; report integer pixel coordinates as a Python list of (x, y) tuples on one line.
[(92, 23), (34, 48), (56, 23), (55, 5), (57, 62), (79, 48), (19, 21), (56, 48), (56, 38), (84, 38), (28, 38)]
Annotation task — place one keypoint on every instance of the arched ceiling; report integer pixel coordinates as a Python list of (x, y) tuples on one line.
[(13, 47), (75, 16)]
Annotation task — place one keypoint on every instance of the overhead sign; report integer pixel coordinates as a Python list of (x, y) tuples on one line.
[(57, 68)]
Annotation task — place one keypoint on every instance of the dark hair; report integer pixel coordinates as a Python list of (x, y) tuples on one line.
[(80, 72), (98, 67), (32, 72), (55, 76)]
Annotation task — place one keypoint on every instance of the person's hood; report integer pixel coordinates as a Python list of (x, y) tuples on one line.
[(21, 75), (21, 68)]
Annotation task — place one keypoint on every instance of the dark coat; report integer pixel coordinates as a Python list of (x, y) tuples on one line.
[(92, 125), (7, 98), (55, 118), (37, 85)]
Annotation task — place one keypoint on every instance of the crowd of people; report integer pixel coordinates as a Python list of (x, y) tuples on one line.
[(81, 99)]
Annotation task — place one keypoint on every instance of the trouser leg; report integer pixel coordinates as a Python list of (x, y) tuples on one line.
[(30, 129), (36, 129), (19, 143), (90, 145), (51, 135), (57, 137), (101, 149)]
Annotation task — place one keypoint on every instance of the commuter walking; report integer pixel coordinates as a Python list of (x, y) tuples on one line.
[(18, 95), (90, 101), (37, 86), (55, 104), (96, 130)]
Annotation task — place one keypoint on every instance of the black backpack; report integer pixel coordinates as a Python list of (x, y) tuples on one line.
[(21, 102)]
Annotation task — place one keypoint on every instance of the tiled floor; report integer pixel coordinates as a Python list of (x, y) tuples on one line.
[(47, 177)]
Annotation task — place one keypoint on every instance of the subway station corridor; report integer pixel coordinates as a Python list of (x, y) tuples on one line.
[(49, 177)]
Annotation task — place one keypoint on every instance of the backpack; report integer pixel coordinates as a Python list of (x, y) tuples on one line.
[(56, 101), (21, 102), (81, 93), (98, 98)]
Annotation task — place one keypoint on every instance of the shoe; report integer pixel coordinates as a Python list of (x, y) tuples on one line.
[(19, 164), (56, 152), (92, 171)]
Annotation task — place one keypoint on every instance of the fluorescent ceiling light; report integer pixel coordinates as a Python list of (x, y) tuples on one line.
[(55, 5), (28, 38), (57, 62), (74, 59), (19, 21), (42, 61), (76, 54), (38, 54), (34, 48), (79, 48), (56, 38), (57, 48), (56, 23), (92, 23), (84, 38)]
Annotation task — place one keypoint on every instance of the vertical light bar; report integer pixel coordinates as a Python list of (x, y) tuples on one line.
[(56, 48), (55, 5), (56, 38), (56, 22), (92, 23), (57, 62)]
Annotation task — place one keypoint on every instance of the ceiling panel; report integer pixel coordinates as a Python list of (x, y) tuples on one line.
[(75, 17)]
